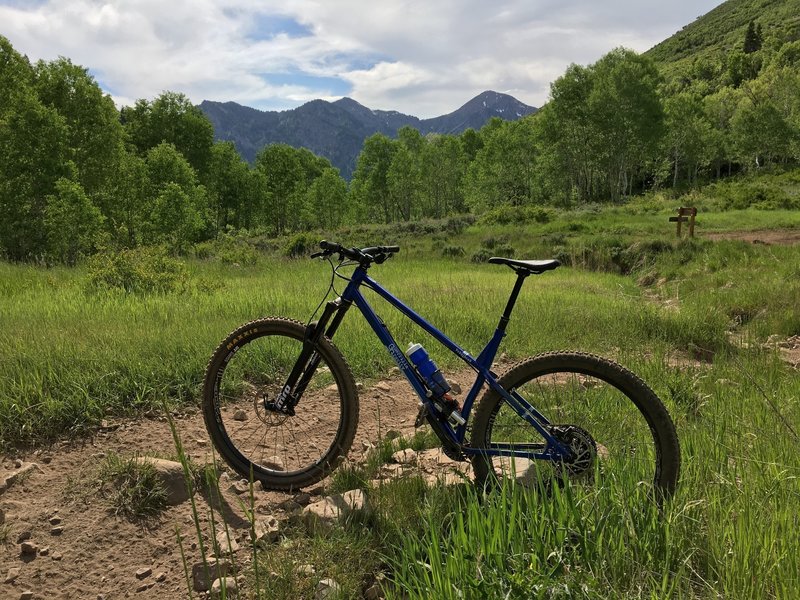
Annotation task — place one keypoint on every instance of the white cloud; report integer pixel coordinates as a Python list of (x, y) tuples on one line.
[(423, 58)]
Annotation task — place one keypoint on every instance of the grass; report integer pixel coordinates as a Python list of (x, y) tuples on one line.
[(69, 355), (131, 487)]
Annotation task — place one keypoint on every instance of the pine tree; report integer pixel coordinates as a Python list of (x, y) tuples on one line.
[(752, 39)]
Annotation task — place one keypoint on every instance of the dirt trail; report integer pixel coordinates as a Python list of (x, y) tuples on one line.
[(780, 237), (84, 551)]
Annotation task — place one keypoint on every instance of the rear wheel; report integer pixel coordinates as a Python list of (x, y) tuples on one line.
[(620, 435), (246, 373)]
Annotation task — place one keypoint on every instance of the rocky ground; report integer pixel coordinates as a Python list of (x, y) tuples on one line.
[(59, 539)]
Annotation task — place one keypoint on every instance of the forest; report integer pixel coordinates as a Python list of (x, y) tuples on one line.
[(79, 176)]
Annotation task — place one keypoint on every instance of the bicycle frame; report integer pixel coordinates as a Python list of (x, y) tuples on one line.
[(329, 322)]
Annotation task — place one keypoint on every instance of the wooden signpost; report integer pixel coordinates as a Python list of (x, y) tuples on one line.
[(685, 214)]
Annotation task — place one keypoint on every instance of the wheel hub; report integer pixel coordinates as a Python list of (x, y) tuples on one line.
[(582, 447), (266, 411)]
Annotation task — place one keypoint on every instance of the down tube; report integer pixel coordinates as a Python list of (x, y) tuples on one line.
[(387, 340)]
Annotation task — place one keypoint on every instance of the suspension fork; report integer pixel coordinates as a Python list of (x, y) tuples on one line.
[(309, 358)]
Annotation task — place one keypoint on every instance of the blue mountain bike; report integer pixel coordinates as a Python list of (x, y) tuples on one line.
[(280, 402)]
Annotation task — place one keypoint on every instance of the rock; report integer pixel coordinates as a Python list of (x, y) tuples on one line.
[(359, 385), (29, 547), (44, 551), (57, 556), (12, 575), (303, 498), (226, 544), (144, 572), (405, 457), (334, 510), (393, 470), (23, 470), (373, 592), (54, 520), (327, 588), (2, 516), (143, 587), (171, 475), (305, 570), (290, 506), (204, 574), (382, 386), (240, 415), (267, 530), (161, 577), (57, 530), (26, 595), (435, 457), (228, 584), (25, 534), (241, 487)]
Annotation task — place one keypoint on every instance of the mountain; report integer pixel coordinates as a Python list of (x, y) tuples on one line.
[(337, 130), (722, 30)]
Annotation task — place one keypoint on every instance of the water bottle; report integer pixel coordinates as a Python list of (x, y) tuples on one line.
[(428, 370)]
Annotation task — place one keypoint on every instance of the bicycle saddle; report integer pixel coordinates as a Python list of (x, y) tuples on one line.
[(527, 266)]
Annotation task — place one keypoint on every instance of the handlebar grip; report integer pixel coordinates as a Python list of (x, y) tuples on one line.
[(330, 246)]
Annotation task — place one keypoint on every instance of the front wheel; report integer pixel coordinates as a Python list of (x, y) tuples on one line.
[(246, 374), (618, 431)]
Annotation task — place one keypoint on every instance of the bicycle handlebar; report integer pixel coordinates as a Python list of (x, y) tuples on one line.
[(367, 255)]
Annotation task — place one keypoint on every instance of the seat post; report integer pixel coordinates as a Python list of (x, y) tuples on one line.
[(521, 275)]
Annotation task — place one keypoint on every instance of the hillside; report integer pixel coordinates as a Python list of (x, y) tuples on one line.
[(337, 130), (723, 29)]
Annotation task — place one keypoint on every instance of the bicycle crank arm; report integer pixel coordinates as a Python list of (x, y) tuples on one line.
[(450, 447)]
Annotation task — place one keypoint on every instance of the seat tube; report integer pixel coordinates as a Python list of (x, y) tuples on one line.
[(512, 300)]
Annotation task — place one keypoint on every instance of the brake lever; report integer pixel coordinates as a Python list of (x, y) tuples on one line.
[(319, 254)]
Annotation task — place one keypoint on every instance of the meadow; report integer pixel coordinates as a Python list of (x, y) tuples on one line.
[(691, 317)]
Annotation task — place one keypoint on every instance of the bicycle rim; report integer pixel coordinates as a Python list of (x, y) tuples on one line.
[(621, 437), (283, 451)]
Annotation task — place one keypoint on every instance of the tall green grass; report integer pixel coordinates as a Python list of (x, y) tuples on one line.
[(70, 355)]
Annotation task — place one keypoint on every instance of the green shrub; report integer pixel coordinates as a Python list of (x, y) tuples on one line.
[(482, 255), (762, 194), (141, 270), (301, 245), (228, 249), (457, 224), (485, 254), (505, 215), (453, 251), (493, 242)]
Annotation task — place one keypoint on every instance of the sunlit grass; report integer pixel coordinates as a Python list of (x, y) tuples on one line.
[(69, 356)]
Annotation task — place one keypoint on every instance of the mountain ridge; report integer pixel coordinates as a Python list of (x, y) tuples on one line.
[(337, 130)]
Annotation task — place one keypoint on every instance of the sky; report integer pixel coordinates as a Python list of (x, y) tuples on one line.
[(424, 58)]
